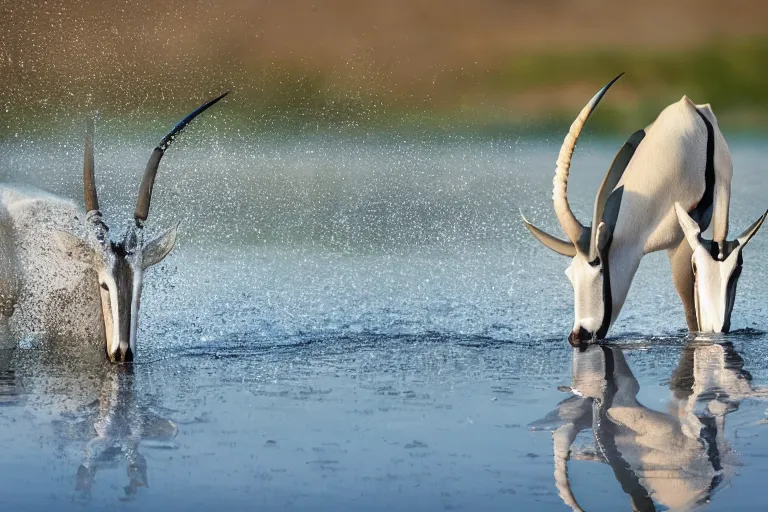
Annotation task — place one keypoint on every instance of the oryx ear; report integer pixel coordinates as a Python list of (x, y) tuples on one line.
[(690, 227), (602, 237), (74, 247), (747, 235), (554, 243), (158, 248)]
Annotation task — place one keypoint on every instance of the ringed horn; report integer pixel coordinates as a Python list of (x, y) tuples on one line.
[(573, 228), (89, 178), (145, 192)]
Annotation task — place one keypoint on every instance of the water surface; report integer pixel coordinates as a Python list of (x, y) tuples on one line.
[(365, 324)]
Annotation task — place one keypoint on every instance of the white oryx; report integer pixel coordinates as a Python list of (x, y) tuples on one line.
[(716, 272), (62, 277), (681, 157)]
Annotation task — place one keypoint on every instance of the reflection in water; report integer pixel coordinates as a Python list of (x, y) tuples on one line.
[(112, 426), (9, 384), (117, 424), (676, 458)]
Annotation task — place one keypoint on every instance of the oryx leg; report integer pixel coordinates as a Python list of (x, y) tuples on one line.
[(682, 277)]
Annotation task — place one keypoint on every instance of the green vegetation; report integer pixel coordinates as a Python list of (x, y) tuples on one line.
[(527, 94), (732, 76)]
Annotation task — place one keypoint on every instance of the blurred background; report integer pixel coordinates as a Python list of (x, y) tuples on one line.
[(308, 65)]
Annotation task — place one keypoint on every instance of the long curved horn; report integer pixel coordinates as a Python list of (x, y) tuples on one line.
[(748, 233), (554, 243), (572, 227), (145, 192), (89, 177)]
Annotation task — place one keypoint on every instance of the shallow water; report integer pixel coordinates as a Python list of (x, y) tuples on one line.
[(364, 324)]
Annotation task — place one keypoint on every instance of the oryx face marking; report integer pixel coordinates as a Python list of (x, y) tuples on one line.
[(120, 282), (120, 267), (716, 272), (715, 288), (587, 278), (120, 264)]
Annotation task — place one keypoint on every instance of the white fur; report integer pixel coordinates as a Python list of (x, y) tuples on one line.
[(49, 287), (712, 287), (667, 167)]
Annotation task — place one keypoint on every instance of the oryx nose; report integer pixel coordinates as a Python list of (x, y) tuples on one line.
[(127, 356), (123, 355), (576, 338)]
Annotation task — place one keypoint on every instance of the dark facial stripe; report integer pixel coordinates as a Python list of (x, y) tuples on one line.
[(610, 217), (730, 296), (123, 275), (607, 298)]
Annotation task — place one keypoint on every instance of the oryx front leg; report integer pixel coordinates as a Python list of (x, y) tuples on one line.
[(683, 279)]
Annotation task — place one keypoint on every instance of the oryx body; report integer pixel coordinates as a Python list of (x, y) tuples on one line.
[(62, 276), (44, 289), (681, 157)]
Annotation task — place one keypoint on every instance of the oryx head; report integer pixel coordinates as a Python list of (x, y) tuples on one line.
[(716, 271), (588, 246), (120, 263)]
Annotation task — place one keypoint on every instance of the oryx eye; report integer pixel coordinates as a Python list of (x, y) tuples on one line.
[(104, 286), (693, 266)]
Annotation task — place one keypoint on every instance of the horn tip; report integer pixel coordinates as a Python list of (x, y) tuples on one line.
[(222, 95), (609, 84)]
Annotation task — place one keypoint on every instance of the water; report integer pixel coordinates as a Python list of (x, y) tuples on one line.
[(364, 324)]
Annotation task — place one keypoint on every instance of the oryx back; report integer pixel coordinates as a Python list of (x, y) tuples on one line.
[(673, 164)]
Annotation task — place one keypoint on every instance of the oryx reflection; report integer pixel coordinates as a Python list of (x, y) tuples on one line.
[(114, 427), (677, 458)]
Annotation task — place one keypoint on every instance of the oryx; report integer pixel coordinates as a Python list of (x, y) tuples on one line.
[(716, 271), (60, 272), (681, 157)]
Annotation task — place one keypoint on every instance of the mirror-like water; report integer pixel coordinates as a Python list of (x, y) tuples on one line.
[(366, 325)]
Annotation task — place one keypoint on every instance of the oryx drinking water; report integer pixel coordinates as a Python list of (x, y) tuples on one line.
[(61, 273), (716, 272), (681, 157)]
